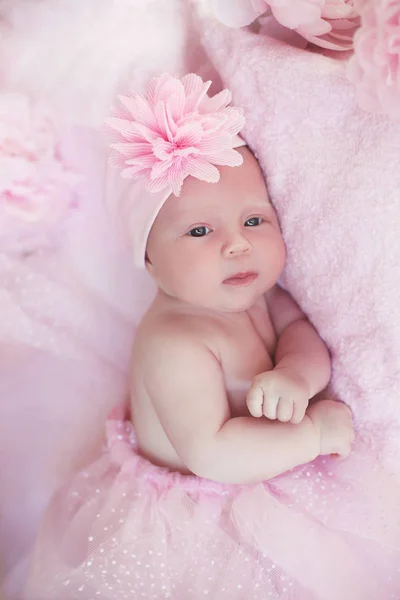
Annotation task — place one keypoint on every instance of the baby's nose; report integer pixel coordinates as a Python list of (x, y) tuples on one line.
[(236, 246)]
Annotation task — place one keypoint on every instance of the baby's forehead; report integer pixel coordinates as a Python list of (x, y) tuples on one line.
[(238, 189), (191, 208)]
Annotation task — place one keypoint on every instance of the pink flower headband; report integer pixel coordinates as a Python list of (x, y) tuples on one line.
[(174, 131)]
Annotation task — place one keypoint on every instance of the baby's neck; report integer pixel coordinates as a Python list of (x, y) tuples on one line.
[(165, 302)]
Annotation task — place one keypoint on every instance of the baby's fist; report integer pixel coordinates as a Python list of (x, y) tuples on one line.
[(278, 394)]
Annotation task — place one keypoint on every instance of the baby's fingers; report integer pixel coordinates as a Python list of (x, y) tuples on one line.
[(271, 406), (284, 411), (299, 410), (254, 401)]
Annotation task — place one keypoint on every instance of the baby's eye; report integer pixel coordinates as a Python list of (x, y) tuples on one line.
[(199, 231), (253, 222)]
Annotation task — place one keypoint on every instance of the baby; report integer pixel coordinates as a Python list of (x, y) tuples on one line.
[(224, 366), (224, 362)]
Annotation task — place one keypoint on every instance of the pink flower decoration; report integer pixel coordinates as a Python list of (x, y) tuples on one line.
[(35, 183), (375, 66), (174, 131), (327, 23)]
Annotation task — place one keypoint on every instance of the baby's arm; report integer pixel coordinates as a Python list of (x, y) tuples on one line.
[(302, 364), (186, 385)]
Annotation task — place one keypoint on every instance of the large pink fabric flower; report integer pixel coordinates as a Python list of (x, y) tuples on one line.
[(327, 23), (375, 66), (174, 131), (35, 182)]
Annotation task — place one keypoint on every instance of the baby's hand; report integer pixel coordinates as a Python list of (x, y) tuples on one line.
[(334, 423), (278, 394)]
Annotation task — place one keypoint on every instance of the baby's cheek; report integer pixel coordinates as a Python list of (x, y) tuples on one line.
[(276, 250)]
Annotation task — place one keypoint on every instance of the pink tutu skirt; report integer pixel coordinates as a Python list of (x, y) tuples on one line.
[(127, 529)]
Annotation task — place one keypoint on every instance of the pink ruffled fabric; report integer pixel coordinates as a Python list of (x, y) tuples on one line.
[(125, 528), (369, 27), (326, 23), (375, 67), (37, 187)]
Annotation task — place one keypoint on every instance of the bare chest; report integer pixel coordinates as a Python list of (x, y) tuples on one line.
[(246, 349)]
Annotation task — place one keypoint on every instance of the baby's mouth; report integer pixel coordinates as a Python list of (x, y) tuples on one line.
[(241, 279)]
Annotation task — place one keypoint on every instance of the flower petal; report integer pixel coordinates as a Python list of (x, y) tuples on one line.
[(146, 161), (196, 90), (176, 130), (130, 130), (155, 84), (215, 103), (160, 168), (172, 94), (131, 150), (189, 134), (166, 132), (116, 160), (318, 28), (214, 144), (157, 185), (203, 170), (133, 172), (139, 108), (175, 103), (375, 67), (234, 119), (35, 182), (338, 9), (294, 15), (176, 177), (228, 158), (193, 84), (163, 149), (237, 13), (187, 151)]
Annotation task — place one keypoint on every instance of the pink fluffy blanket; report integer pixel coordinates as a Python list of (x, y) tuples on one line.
[(69, 305), (333, 173)]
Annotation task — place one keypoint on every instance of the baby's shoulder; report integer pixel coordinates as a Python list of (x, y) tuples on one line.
[(165, 330), (170, 344)]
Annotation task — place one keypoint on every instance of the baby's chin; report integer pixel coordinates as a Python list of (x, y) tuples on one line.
[(227, 299)]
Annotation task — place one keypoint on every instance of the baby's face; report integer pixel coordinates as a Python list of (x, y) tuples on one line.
[(218, 246)]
